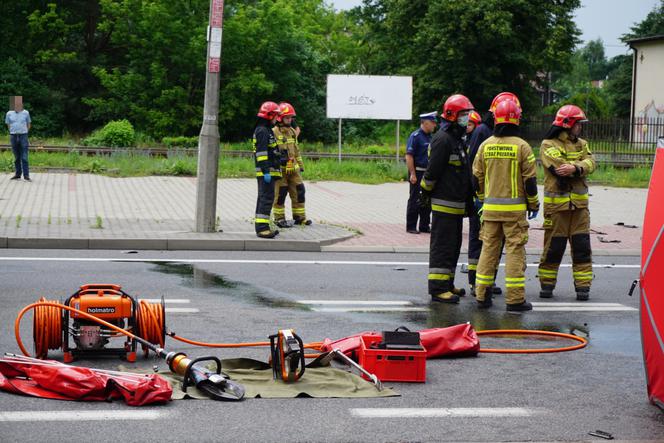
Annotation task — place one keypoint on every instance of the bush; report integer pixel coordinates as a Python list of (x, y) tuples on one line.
[(117, 134), (180, 142)]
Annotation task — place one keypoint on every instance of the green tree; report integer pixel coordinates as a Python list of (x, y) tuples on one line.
[(619, 86), (593, 56), (478, 47), (53, 45)]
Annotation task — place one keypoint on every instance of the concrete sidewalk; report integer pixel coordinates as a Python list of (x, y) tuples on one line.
[(98, 212)]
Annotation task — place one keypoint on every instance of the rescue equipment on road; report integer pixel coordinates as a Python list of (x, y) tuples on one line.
[(394, 356), (287, 355), (97, 314), (141, 323), (55, 380)]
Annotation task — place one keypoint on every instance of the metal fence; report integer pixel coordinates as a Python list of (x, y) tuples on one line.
[(619, 142)]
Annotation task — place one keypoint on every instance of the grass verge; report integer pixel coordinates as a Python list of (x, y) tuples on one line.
[(355, 171)]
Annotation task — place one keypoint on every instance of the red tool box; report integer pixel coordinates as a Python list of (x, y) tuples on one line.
[(391, 364)]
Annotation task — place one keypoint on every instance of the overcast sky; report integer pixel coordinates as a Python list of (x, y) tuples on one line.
[(607, 19)]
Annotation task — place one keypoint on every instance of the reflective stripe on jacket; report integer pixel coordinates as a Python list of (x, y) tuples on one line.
[(448, 174), (502, 167), (266, 151), (566, 193)]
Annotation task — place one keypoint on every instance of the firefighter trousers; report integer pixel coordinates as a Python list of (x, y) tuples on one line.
[(289, 184), (415, 210), (263, 204), (444, 250), (515, 236), (571, 226), (475, 247)]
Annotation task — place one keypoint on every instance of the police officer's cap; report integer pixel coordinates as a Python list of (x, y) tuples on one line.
[(433, 116)]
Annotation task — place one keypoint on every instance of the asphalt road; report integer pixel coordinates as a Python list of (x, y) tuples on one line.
[(244, 296)]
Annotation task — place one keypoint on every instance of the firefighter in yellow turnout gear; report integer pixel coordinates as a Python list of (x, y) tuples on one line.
[(506, 186), (567, 162), (291, 180)]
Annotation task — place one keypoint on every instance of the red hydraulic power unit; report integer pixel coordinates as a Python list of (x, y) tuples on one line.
[(391, 361)]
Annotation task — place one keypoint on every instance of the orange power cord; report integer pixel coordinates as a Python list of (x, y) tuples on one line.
[(47, 325)]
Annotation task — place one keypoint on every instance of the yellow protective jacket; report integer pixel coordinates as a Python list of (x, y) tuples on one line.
[(289, 148), (565, 193), (506, 178)]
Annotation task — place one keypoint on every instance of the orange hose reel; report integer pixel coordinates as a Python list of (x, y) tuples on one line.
[(54, 323)]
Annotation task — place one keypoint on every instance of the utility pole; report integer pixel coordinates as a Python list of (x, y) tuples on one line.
[(208, 141)]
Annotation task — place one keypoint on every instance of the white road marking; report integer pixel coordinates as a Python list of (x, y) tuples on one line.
[(182, 310), (567, 304), (166, 300), (355, 302), (444, 412), (76, 416), (405, 306), (583, 308), (371, 309), (273, 262)]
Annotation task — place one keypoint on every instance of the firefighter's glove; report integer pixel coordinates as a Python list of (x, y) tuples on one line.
[(267, 178), (425, 199), (532, 215), (479, 206), (290, 167)]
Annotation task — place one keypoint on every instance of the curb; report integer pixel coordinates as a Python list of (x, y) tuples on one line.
[(165, 244)]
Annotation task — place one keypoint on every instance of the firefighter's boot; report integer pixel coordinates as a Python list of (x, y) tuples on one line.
[(520, 307), (283, 223), (546, 291), (268, 233), (446, 297), (487, 302), (582, 294)]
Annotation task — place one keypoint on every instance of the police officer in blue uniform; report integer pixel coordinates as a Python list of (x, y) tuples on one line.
[(417, 160)]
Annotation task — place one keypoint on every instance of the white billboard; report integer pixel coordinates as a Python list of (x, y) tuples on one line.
[(369, 97)]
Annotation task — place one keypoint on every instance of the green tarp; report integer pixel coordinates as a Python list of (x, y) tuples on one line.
[(317, 382)]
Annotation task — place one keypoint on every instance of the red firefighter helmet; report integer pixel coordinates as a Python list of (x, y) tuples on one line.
[(286, 110), (507, 111), (268, 110), (455, 104), (501, 98), (568, 116), (475, 117)]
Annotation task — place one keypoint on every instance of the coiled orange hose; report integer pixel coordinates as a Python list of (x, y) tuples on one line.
[(47, 327), (582, 344)]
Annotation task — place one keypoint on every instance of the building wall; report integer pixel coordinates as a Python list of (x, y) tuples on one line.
[(648, 94)]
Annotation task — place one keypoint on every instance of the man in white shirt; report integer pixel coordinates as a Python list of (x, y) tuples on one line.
[(18, 121)]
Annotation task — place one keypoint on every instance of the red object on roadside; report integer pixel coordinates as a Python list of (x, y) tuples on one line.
[(454, 341), (58, 381), (652, 290), (392, 364)]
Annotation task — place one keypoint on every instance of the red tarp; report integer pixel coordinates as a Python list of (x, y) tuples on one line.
[(455, 341), (58, 381), (652, 289)]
